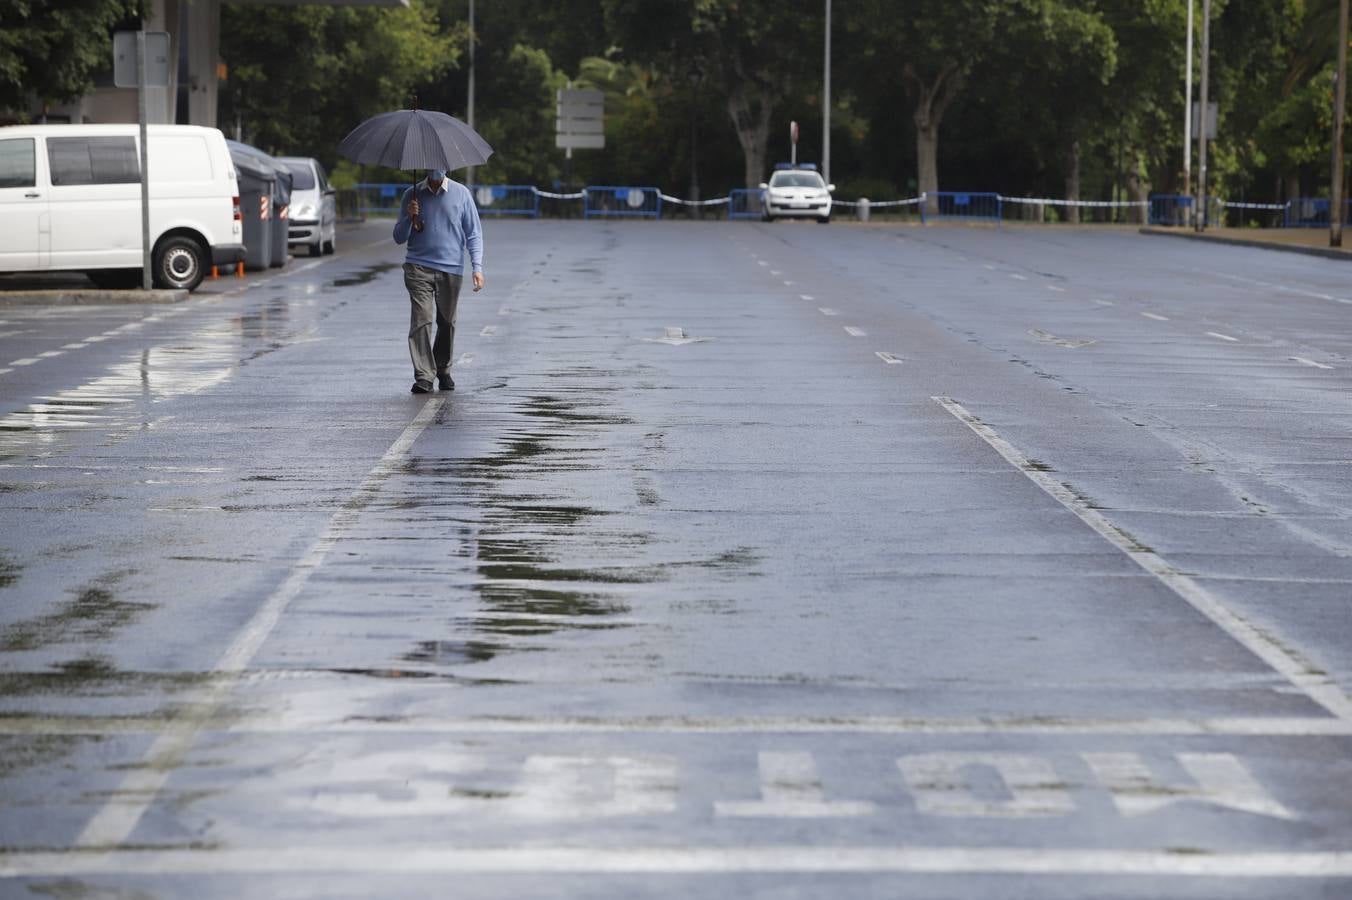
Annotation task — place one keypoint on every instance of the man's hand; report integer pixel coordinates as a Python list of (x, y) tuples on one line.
[(414, 208), (478, 281)]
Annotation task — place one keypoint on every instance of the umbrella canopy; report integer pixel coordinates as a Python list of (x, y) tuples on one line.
[(415, 139)]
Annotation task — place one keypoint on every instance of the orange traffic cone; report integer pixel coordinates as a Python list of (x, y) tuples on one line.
[(215, 272), (239, 269)]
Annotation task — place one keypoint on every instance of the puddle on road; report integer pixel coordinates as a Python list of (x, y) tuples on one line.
[(94, 614), (9, 570), (367, 275)]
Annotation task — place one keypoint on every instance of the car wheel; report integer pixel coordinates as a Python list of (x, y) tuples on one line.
[(823, 220), (116, 279), (331, 245), (316, 248), (766, 217), (180, 263)]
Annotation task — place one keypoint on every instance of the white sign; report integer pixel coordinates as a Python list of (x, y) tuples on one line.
[(581, 120), (124, 59), (1212, 116)]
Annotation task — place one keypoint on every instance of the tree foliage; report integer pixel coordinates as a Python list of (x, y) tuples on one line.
[(50, 49)]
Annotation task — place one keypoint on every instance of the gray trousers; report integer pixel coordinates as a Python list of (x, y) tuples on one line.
[(434, 296)]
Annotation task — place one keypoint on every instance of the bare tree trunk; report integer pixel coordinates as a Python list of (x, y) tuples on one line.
[(931, 101), (750, 112), (1073, 180), (1138, 191)]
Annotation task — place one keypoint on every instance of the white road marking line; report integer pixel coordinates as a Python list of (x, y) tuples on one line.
[(940, 788), (988, 266), (1057, 288), (1222, 780), (853, 331), (1309, 362), (98, 338), (1281, 287), (294, 723), (504, 311), (1068, 343), (489, 331), (1156, 316), (78, 346), (788, 284), (807, 297), (1278, 654), (465, 359), (828, 311), (118, 817), (776, 272), (1105, 303), (791, 788), (5, 371), (888, 358), (50, 353), (761, 262), (1223, 337), (1017, 277), (423, 859), (27, 361), (675, 336)]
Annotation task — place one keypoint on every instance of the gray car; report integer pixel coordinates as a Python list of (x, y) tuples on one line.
[(314, 213)]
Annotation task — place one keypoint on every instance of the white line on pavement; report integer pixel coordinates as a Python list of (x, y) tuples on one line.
[(1057, 288), (118, 817), (828, 311), (489, 331), (1017, 277), (788, 284), (28, 361), (808, 297), (465, 359), (1281, 287), (853, 331), (888, 358), (412, 859), (1223, 337), (1156, 316), (1277, 653), (78, 346), (775, 272), (1309, 362)]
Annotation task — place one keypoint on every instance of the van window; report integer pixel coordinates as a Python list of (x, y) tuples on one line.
[(17, 163), (93, 160), (179, 158)]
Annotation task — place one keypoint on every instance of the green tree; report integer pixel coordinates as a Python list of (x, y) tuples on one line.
[(301, 78), (50, 49)]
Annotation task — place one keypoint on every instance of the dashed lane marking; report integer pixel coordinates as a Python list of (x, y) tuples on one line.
[(788, 284), (828, 311), (776, 272), (807, 297), (431, 859), (26, 361), (1280, 655), (1156, 316), (489, 331), (1057, 288), (1286, 289), (1223, 337), (1017, 277), (465, 359), (1309, 362), (888, 358), (853, 331), (118, 817)]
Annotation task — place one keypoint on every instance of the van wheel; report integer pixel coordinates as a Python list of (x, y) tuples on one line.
[(180, 263)]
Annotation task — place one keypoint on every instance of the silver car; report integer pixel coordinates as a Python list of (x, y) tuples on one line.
[(314, 210)]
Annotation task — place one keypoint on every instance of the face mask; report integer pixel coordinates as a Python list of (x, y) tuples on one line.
[(436, 174)]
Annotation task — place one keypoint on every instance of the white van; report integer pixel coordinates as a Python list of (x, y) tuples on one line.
[(70, 200), (314, 213)]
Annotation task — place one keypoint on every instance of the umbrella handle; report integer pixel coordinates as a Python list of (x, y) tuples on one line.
[(416, 220)]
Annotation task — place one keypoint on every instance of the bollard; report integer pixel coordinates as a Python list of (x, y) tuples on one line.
[(215, 272), (861, 211), (239, 269)]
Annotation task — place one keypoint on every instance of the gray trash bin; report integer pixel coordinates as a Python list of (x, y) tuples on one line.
[(256, 189), (264, 168), (281, 225)]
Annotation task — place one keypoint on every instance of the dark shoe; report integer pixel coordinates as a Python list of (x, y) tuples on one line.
[(444, 382), (421, 387)]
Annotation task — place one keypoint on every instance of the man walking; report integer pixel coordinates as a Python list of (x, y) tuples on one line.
[(439, 221)]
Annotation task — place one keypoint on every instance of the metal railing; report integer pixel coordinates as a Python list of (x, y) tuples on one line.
[(506, 199), (746, 203), (980, 206), (608, 200)]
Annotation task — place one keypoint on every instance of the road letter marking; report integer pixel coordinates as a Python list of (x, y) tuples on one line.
[(1221, 780), (790, 788), (941, 788)]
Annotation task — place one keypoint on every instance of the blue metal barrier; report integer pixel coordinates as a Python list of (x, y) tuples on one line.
[(1170, 209), (621, 201), (506, 199), (971, 206), (380, 199), (1307, 212), (745, 203)]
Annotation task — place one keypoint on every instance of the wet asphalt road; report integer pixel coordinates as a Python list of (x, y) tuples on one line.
[(747, 560)]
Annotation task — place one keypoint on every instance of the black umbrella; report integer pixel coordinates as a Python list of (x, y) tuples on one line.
[(415, 139)]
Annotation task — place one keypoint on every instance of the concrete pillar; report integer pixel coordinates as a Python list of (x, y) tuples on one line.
[(203, 34), (163, 15)]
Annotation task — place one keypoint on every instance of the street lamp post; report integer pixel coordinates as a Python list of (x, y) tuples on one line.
[(1336, 204), (469, 108), (1202, 106), (696, 74), (826, 101), (1187, 110)]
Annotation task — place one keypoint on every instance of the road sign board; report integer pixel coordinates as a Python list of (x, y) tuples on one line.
[(1212, 118), (124, 59), (581, 120)]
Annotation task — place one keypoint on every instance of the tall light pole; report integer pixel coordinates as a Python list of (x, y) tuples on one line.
[(1336, 205), (826, 101), (1203, 115), (469, 111), (1187, 111)]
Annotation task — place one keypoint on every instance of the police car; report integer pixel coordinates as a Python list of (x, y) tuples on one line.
[(796, 191)]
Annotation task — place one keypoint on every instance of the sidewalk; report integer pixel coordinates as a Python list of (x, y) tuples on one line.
[(1311, 241)]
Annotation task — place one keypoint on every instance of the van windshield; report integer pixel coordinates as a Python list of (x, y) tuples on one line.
[(302, 178)]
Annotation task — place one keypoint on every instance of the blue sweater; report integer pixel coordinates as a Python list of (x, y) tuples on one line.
[(450, 224)]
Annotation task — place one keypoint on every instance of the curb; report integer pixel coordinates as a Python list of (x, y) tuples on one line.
[(88, 297), (1325, 252)]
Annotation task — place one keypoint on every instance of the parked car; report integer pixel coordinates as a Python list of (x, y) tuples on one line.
[(70, 200), (314, 209), (796, 191)]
